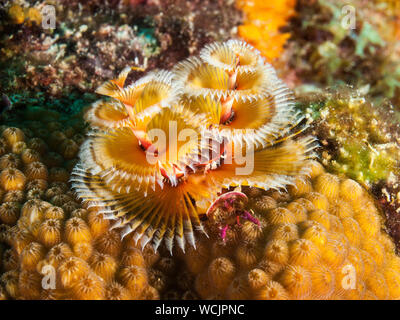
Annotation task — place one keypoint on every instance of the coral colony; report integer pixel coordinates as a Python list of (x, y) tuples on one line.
[(320, 240), (228, 102)]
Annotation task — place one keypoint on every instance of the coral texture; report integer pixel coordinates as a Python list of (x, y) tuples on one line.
[(323, 239), (44, 231)]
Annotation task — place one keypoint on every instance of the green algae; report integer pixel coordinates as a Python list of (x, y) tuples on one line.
[(357, 138)]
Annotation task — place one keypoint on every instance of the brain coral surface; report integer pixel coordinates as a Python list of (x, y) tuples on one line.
[(321, 240)]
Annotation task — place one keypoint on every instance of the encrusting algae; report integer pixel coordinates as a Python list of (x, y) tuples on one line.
[(360, 139)]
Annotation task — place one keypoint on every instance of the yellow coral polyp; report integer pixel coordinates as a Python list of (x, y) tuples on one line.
[(31, 255), (323, 281), (319, 200), (115, 291), (369, 221), (18, 147), (12, 179), (247, 255), (352, 231), (58, 254), (133, 257), (378, 286), (301, 186), (39, 184), (28, 156), (350, 190), (97, 224), (341, 209), (317, 234), (9, 280), (297, 281), (30, 284), (13, 135), (134, 278), (393, 281), (277, 251), (286, 232), (34, 194), (33, 210), (109, 243), (103, 265), (272, 291), (9, 212), (221, 272), (322, 217), (13, 196), (71, 270), (77, 231), (83, 250), (54, 213), (89, 287), (299, 211), (280, 215), (303, 253), (50, 232), (196, 259), (356, 260), (36, 170), (335, 253), (257, 279), (328, 185), (238, 289), (251, 232), (10, 260)]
